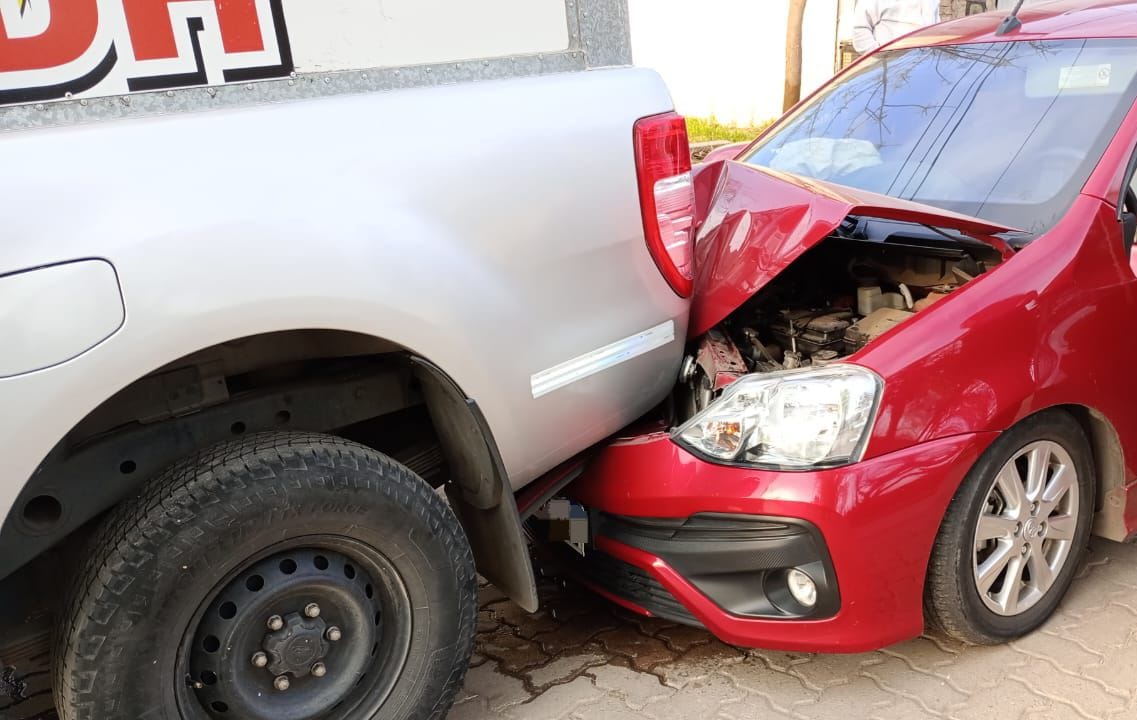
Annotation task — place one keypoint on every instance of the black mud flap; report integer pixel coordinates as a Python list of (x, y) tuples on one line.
[(479, 489)]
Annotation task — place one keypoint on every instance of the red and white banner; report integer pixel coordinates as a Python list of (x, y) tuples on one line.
[(50, 49)]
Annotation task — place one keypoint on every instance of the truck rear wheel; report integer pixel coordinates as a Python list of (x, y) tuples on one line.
[(283, 577)]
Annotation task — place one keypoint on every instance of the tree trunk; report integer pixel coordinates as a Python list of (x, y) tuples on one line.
[(793, 54)]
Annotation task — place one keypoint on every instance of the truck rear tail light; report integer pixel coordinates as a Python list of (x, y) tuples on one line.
[(667, 197)]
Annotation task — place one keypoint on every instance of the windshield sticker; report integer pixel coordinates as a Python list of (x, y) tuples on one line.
[(1081, 77)]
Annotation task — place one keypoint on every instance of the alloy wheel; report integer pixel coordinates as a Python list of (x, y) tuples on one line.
[(1025, 532)]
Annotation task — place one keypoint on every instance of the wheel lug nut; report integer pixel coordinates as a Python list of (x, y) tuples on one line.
[(260, 659), (319, 670), (312, 610), (1018, 529), (281, 683), (334, 634), (275, 622), (1026, 548)]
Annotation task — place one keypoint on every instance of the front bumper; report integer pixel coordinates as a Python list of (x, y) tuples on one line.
[(681, 538)]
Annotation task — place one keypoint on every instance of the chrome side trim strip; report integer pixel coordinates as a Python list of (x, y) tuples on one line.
[(601, 359)]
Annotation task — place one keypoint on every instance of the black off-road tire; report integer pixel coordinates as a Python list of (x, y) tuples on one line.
[(157, 558), (952, 603)]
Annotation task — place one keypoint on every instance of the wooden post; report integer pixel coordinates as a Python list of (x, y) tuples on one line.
[(793, 54)]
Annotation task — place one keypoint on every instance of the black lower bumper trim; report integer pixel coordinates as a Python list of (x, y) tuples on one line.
[(635, 585), (740, 562)]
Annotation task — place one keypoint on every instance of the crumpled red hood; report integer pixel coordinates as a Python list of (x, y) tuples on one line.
[(754, 222)]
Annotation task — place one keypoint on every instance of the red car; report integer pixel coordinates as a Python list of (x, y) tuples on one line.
[(907, 396)]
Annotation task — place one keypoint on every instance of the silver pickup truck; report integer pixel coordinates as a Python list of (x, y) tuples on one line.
[(294, 298)]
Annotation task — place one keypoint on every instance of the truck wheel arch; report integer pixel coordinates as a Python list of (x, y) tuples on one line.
[(479, 488)]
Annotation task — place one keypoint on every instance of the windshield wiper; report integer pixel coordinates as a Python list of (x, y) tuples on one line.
[(1015, 238), (961, 238), (861, 227)]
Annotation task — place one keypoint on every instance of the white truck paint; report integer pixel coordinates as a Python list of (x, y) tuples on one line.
[(449, 183), (496, 252), (50, 315)]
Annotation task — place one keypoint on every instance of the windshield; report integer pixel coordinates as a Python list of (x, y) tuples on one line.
[(1008, 132)]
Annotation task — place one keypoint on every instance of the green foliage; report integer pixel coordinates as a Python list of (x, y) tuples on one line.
[(708, 129)]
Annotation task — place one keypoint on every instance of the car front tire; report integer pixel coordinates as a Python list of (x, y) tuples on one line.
[(1014, 534)]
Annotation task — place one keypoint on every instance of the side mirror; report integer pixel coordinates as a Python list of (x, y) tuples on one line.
[(1128, 231), (1127, 205)]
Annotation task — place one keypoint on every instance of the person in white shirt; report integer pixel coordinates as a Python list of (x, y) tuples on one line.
[(876, 22)]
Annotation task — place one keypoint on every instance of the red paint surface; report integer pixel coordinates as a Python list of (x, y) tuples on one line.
[(69, 34), (152, 32), (726, 152), (1054, 325), (1045, 21), (757, 221), (613, 598), (878, 518)]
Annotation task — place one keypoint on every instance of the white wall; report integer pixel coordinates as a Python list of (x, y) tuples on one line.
[(349, 34), (726, 58)]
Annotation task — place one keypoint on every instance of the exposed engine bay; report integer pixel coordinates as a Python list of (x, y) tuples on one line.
[(832, 301)]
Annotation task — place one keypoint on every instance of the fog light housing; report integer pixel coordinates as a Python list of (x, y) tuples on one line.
[(802, 587)]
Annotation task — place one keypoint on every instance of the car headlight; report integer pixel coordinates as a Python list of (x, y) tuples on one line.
[(795, 419)]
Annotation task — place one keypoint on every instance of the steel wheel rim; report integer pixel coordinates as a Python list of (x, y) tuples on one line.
[(1025, 532), (371, 680)]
